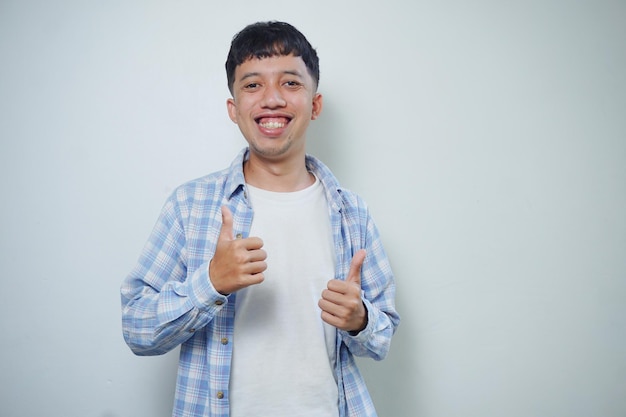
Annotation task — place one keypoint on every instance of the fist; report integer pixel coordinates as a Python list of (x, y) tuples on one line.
[(341, 302), (237, 263)]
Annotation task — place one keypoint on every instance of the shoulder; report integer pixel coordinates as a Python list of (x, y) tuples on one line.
[(352, 200), (200, 189), (212, 187), (342, 198)]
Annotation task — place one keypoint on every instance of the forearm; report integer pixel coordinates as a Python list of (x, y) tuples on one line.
[(378, 296), (156, 321), (374, 340)]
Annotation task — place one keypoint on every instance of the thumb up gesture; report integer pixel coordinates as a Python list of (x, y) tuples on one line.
[(341, 302), (237, 263)]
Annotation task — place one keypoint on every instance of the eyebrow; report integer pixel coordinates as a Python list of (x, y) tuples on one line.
[(257, 74)]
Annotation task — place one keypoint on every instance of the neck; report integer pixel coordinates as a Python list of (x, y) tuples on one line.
[(277, 176)]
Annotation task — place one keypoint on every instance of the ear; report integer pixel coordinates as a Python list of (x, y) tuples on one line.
[(317, 106), (232, 109)]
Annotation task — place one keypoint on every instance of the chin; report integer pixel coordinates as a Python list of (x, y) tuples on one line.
[(271, 151)]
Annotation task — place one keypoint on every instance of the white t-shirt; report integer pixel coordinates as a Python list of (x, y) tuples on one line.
[(283, 353)]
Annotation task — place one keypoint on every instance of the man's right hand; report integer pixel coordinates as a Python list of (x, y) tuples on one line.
[(237, 263)]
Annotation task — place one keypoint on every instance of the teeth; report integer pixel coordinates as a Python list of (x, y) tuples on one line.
[(272, 125)]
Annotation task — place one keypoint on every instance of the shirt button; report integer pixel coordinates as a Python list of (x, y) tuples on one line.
[(239, 236), (192, 330), (219, 302), (220, 395), (224, 340)]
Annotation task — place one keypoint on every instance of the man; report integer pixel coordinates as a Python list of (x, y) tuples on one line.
[(268, 274)]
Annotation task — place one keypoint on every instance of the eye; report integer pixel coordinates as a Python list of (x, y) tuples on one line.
[(293, 84), (251, 86)]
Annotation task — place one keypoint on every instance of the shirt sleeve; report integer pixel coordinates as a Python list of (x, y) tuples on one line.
[(378, 294), (162, 304)]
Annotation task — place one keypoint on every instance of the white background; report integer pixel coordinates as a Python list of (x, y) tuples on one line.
[(488, 137)]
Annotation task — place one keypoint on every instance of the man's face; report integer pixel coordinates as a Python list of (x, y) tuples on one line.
[(274, 99)]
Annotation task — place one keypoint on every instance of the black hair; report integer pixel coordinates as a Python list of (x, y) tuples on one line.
[(268, 39)]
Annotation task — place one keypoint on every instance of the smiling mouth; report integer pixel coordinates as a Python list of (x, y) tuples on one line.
[(273, 122)]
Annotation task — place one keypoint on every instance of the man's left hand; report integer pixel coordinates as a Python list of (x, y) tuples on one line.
[(341, 302)]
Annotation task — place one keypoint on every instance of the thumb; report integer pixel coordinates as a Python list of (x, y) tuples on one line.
[(227, 224), (354, 275)]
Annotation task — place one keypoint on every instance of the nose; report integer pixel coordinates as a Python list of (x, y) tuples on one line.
[(273, 98)]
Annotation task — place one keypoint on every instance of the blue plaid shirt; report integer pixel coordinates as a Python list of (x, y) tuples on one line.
[(168, 299)]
